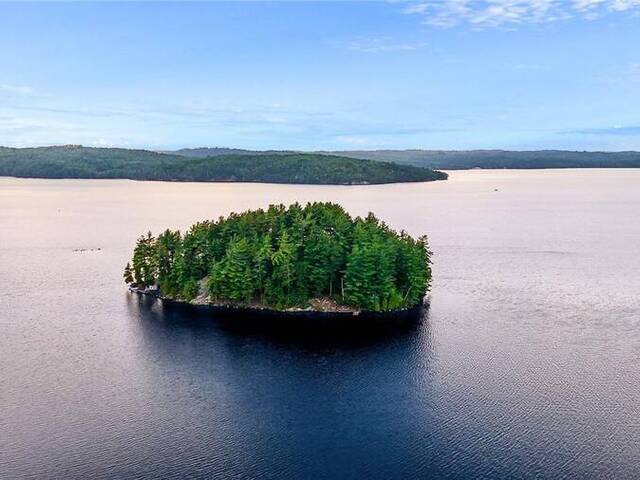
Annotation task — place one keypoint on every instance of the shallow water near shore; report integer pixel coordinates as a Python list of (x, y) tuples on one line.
[(525, 366)]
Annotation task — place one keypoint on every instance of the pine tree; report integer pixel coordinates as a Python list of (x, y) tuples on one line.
[(283, 260), (128, 274), (144, 267), (359, 279), (232, 279), (262, 264), (166, 252)]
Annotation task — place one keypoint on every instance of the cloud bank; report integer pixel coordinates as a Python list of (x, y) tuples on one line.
[(510, 13)]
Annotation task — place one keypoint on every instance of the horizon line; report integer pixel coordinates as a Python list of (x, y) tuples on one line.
[(284, 150)]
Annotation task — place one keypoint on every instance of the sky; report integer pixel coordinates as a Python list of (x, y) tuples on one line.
[(430, 74)]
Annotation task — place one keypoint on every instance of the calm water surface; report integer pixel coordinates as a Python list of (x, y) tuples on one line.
[(527, 365)]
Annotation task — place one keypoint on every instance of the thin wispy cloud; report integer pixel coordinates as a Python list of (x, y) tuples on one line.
[(181, 113), (352, 140), (510, 13), (379, 45), (615, 130), (627, 75), (372, 136), (29, 131), (12, 124), (373, 79), (15, 89)]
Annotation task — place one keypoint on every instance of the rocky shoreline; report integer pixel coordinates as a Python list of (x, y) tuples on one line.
[(247, 313)]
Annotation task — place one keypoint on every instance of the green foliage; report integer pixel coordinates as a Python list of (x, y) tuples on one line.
[(283, 261), (492, 159), (462, 159), (144, 261), (189, 289), (167, 249), (371, 273), (284, 257), (232, 278), (128, 274), (73, 161)]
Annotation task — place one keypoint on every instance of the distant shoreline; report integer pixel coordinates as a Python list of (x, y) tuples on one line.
[(347, 168), (460, 159), (74, 161), (450, 174), (230, 182)]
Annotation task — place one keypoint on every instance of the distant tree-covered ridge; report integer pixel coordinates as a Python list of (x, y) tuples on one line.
[(75, 161), (313, 257), (467, 159), (493, 159), (203, 152)]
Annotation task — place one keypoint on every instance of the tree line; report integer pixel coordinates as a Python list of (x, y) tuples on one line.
[(283, 257), (498, 159), (75, 161)]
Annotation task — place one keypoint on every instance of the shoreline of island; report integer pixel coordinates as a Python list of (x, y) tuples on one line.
[(250, 313)]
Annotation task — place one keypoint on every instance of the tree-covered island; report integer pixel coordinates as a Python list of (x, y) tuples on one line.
[(314, 257)]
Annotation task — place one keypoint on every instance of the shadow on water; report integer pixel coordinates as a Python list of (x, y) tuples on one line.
[(293, 332), (297, 403)]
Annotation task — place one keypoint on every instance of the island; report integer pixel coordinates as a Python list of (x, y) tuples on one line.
[(284, 261), (76, 161)]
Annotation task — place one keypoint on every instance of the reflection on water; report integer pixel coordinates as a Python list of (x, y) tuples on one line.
[(292, 332), (269, 392), (526, 365)]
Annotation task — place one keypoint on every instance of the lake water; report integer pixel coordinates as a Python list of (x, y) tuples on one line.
[(526, 366)]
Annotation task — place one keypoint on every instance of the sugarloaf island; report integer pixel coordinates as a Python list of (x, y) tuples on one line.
[(313, 258)]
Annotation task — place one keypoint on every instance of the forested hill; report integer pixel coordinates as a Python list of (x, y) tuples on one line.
[(75, 161), (464, 159), (460, 160), (221, 151)]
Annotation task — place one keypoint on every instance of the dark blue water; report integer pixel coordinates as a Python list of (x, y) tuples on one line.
[(525, 366)]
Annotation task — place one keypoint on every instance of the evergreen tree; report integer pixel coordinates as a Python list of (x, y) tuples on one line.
[(359, 279), (144, 267), (262, 264), (128, 274), (166, 251), (324, 259), (283, 260), (232, 278)]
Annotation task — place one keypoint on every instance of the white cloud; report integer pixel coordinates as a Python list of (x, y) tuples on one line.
[(101, 142), (622, 5), (353, 140), (628, 75), (15, 89), (378, 45), (29, 132), (11, 124), (509, 13)]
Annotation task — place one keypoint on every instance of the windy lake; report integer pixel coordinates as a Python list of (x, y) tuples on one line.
[(527, 364)]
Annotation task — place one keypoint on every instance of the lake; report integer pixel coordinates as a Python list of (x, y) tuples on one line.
[(527, 364)]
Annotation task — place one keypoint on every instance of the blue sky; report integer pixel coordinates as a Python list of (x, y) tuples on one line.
[(446, 74)]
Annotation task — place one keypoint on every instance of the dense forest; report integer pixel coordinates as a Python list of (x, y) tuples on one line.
[(295, 257), (306, 168), (274, 166), (465, 159), (203, 152), (462, 160)]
